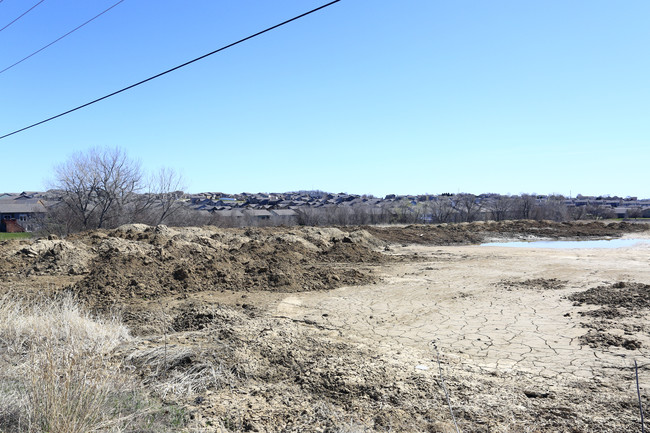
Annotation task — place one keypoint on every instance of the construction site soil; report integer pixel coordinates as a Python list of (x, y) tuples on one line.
[(352, 329)]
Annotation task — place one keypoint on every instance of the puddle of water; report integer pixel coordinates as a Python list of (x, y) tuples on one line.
[(602, 243)]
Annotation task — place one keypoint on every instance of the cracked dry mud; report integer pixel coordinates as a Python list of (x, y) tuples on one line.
[(457, 298), (503, 312)]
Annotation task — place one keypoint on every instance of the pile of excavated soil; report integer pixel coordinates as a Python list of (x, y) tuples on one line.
[(612, 323), (634, 297), (472, 233), (44, 256), (264, 373), (142, 262), (239, 371)]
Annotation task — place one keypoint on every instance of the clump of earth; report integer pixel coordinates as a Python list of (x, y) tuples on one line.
[(630, 296), (534, 284), (617, 302)]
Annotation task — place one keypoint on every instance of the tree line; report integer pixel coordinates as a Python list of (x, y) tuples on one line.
[(455, 208), (104, 188)]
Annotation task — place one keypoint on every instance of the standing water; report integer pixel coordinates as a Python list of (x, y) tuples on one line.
[(602, 243)]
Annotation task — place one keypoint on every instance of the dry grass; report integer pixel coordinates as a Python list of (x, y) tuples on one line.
[(59, 375), (174, 371), (26, 325)]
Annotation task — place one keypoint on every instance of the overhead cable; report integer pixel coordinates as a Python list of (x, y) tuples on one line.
[(57, 40), (171, 70), (24, 13)]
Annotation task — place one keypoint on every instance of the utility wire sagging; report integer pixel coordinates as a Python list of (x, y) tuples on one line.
[(57, 40), (171, 70), (22, 15)]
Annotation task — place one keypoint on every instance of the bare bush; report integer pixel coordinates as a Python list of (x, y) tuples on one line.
[(162, 199), (171, 371), (635, 212)]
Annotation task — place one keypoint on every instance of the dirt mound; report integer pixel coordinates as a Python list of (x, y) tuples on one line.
[(441, 234), (237, 370), (634, 297), (596, 339), (48, 257), (140, 262), (359, 359), (477, 232), (610, 325)]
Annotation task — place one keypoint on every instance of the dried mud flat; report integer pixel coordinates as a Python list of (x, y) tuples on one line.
[(351, 329)]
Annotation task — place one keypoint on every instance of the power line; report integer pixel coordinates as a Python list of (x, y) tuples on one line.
[(172, 69), (57, 40), (24, 13)]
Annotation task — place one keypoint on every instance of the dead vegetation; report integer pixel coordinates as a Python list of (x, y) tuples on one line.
[(59, 373)]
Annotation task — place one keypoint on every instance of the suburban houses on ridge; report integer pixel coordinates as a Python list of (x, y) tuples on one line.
[(22, 212)]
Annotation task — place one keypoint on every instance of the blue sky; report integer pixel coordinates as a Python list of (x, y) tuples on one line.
[(376, 97)]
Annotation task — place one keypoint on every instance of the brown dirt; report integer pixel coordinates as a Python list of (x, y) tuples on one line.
[(137, 262), (535, 284), (613, 323), (634, 297), (473, 233), (331, 329)]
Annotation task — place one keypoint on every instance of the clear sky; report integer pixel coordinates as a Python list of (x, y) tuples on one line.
[(376, 97)]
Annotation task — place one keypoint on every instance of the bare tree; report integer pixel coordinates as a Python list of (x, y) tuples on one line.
[(524, 206), (120, 182), (500, 207), (552, 208), (98, 186), (635, 212), (397, 210), (79, 185), (165, 191), (442, 209), (308, 216), (468, 206), (578, 212), (600, 212)]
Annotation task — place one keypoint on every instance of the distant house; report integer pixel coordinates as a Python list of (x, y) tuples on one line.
[(285, 217), (20, 214), (228, 213), (259, 214)]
